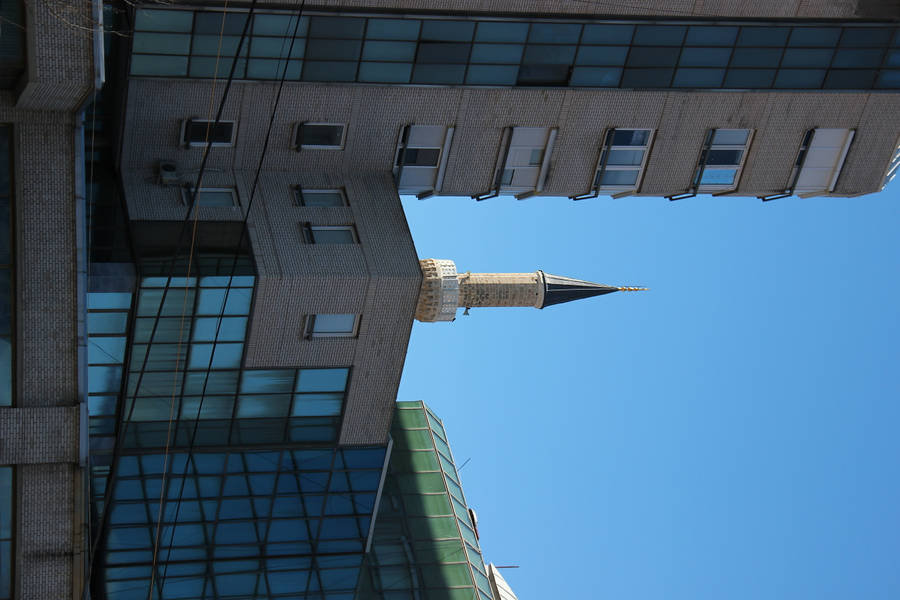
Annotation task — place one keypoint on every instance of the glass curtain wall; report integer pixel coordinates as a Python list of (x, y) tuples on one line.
[(433, 50), (7, 269), (424, 545), (7, 519)]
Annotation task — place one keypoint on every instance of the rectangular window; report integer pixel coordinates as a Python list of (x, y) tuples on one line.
[(195, 133), (421, 157), (820, 160), (722, 159), (335, 197), (7, 509), (332, 325), (623, 159), (526, 159), (321, 136), (329, 234), (211, 197)]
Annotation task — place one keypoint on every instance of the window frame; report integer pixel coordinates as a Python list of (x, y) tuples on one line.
[(186, 123), (188, 191), (607, 146), (308, 230), (309, 331), (298, 132), (300, 192), (709, 145)]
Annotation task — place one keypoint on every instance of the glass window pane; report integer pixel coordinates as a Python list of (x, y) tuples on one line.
[(210, 407), (698, 78), (814, 36), (806, 57), (607, 34), (619, 178), (749, 78), (705, 57), (317, 405), (205, 66), (334, 324), (711, 36), (730, 137), (596, 76), (323, 198), (321, 135), (856, 79), (392, 29), (625, 157), (449, 31), (333, 235), (263, 406), (105, 350), (659, 35), (647, 78), (497, 53), (385, 72), (333, 49), (492, 75), (215, 198), (866, 36), (213, 23), (336, 27), (108, 322), (549, 55), (258, 68), (276, 47), (724, 157), (230, 329), (543, 74), (267, 381), (442, 52), (109, 300), (278, 25), (329, 71), (501, 32), (718, 176), (161, 43), (224, 47), (236, 301), (763, 36), (160, 66), (375, 50), (858, 58), (322, 380), (630, 137), (554, 33), (889, 79), (444, 74), (163, 20), (652, 57), (225, 356), (602, 55), (799, 78)]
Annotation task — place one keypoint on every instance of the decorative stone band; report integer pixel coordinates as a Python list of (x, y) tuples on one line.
[(439, 297)]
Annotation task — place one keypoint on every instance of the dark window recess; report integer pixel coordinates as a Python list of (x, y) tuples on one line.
[(320, 135), (195, 132), (544, 75), (421, 157)]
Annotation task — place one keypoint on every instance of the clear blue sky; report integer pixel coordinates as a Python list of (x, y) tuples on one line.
[(732, 433)]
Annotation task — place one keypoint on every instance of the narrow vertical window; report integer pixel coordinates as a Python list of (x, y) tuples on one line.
[(722, 159), (623, 159)]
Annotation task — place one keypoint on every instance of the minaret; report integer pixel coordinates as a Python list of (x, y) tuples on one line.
[(444, 290)]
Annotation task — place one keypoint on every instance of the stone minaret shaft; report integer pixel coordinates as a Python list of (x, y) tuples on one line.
[(444, 290)]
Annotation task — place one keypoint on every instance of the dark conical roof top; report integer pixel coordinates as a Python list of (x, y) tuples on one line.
[(559, 289)]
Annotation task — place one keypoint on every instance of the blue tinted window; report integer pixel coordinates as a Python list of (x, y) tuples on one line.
[(700, 78), (497, 53), (602, 55), (858, 58), (436, 52), (799, 78), (763, 36), (336, 27), (329, 71), (659, 35), (647, 78), (814, 36), (652, 57), (857, 79), (393, 29), (492, 75), (756, 57), (607, 34), (445, 74), (889, 79), (549, 55), (866, 36), (554, 33), (806, 58), (711, 36), (374, 50), (705, 57), (501, 32), (447, 31), (385, 72)]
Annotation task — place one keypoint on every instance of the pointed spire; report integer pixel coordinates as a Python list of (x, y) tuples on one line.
[(559, 289)]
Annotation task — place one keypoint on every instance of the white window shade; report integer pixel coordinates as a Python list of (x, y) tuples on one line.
[(824, 160), (421, 158), (527, 159)]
